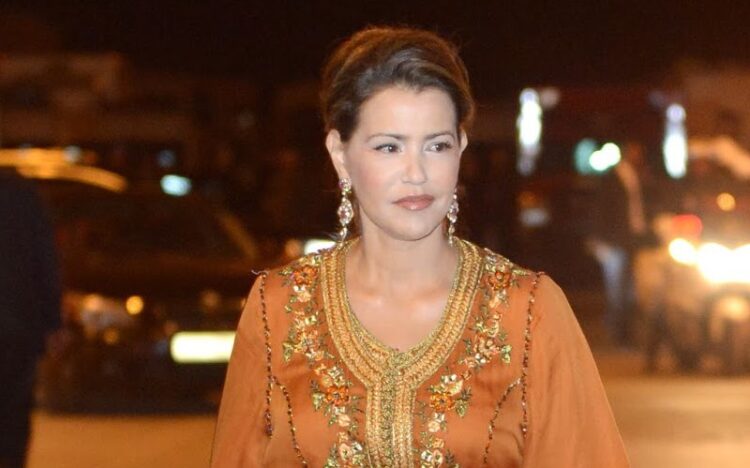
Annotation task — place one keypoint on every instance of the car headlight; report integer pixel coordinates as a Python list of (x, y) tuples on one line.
[(719, 264), (682, 251), (97, 313), (733, 307), (201, 347), (742, 263)]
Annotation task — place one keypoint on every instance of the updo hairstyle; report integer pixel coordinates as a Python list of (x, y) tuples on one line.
[(379, 57)]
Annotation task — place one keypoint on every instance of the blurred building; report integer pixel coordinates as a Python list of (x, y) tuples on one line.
[(136, 121), (717, 99)]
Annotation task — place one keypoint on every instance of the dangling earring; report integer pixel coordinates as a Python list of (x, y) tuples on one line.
[(346, 210), (452, 218)]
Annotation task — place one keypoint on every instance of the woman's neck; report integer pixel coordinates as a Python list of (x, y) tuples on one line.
[(392, 265)]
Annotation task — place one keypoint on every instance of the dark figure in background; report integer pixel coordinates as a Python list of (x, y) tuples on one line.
[(29, 308), (619, 224)]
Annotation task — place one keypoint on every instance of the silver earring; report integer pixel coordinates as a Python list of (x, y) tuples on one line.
[(452, 218), (346, 210)]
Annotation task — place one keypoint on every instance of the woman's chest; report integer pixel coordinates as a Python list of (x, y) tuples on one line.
[(399, 319), (349, 400), (330, 418)]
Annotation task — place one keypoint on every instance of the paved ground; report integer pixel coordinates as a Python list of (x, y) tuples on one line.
[(121, 442), (683, 422)]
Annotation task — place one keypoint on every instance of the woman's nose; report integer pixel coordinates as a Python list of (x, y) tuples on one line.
[(414, 170)]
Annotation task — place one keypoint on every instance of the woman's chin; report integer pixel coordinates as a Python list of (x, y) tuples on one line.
[(412, 232)]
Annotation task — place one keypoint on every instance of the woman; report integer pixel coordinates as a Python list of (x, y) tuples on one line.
[(407, 346)]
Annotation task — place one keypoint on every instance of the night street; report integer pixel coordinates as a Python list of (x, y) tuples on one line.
[(683, 422), (666, 421), (363, 204)]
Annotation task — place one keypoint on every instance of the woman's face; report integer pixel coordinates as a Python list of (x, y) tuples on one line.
[(403, 161)]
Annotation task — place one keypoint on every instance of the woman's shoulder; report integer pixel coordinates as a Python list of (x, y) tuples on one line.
[(280, 289), (500, 274), (518, 286), (297, 275)]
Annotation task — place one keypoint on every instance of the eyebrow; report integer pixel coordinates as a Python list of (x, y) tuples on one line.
[(403, 137)]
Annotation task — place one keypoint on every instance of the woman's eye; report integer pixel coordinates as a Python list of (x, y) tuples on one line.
[(441, 146), (387, 148)]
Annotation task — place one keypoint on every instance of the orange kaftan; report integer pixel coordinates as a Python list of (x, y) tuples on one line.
[(505, 380)]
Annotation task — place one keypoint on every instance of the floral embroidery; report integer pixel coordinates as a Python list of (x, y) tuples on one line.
[(449, 395), (500, 275), (330, 390), (452, 392), (303, 336), (346, 453)]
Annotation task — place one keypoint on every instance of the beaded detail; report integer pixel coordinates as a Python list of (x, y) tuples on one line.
[(267, 339), (290, 419), (495, 414), (526, 351)]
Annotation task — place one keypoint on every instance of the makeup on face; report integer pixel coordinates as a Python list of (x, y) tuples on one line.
[(415, 202)]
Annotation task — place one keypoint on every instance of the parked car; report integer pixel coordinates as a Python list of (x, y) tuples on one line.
[(153, 287)]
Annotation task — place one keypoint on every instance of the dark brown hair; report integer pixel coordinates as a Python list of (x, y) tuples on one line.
[(378, 57)]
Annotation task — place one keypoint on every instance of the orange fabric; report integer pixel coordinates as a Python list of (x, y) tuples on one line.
[(571, 424), (569, 420)]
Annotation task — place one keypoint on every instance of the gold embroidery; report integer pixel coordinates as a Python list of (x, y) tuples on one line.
[(500, 276), (453, 393), (390, 377), (330, 391), (303, 335)]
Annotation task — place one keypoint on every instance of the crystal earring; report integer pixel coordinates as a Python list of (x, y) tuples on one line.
[(346, 210), (452, 218)]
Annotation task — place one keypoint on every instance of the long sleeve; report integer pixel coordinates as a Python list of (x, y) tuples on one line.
[(240, 438), (570, 422)]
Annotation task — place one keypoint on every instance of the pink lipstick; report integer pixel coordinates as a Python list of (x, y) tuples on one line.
[(415, 202)]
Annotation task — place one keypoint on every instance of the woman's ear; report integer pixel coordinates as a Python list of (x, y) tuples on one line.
[(336, 151), (464, 140)]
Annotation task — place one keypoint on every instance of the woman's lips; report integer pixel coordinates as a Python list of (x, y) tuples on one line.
[(415, 203)]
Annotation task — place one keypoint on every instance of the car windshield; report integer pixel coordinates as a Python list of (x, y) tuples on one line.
[(116, 224)]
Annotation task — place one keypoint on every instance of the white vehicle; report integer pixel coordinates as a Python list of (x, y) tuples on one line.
[(695, 289)]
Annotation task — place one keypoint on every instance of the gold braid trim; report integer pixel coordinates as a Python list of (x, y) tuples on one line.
[(390, 377)]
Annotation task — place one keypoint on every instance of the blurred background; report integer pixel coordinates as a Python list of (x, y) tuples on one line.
[(155, 153)]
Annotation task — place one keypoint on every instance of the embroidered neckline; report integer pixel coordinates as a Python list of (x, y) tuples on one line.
[(373, 343), (392, 377), (399, 429), (369, 349)]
